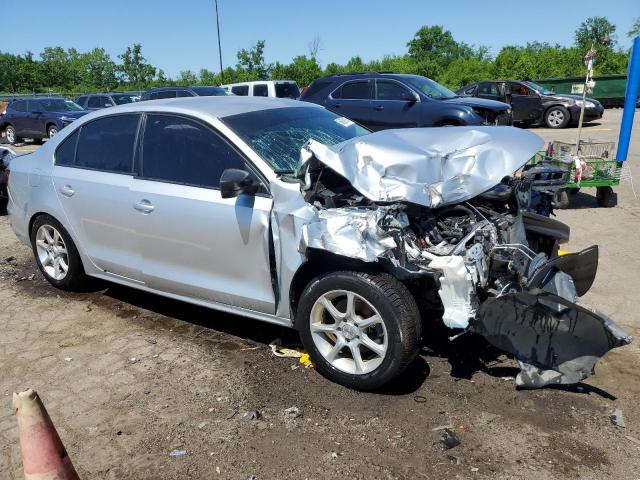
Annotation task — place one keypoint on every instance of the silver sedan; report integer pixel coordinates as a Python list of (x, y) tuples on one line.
[(285, 212)]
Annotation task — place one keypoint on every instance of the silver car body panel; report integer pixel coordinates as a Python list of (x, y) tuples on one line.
[(432, 167)]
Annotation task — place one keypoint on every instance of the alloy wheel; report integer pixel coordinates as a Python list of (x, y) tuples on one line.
[(52, 132), (348, 332), (52, 252), (11, 135), (556, 117)]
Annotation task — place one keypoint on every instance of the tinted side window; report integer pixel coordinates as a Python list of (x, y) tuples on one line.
[(519, 89), (180, 150), (19, 106), (166, 94), (80, 101), (355, 91), (34, 106), (387, 90), (488, 88), (470, 90), (240, 90), (94, 102), (66, 152), (184, 93), (107, 143), (261, 90)]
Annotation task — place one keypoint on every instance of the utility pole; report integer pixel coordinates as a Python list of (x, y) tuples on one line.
[(219, 45)]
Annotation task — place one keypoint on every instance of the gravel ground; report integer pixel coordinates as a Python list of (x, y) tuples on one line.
[(129, 377)]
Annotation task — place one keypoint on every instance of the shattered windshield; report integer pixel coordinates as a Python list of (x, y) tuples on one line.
[(277, 135)]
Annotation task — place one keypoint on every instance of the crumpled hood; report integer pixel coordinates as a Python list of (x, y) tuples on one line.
[(427, 166)]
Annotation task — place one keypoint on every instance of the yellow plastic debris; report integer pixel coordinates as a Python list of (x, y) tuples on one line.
[(306, 360), (563, 252)]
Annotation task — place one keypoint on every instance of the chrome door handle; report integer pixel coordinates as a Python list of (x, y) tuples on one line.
[(67, 191), (144, 206)]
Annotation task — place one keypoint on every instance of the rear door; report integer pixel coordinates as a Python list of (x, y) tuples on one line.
[(194, 242), (490, 91), (260, 90), (395, 106), (18, 116), (352, 100), (33, 119), (92, 176)]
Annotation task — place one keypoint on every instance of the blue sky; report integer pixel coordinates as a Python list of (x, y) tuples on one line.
[(182, 35)]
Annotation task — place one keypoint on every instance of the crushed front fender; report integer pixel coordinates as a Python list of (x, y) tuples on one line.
[(555, 341)]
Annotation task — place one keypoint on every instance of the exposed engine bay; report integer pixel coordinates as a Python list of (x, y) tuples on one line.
[(464, 220)]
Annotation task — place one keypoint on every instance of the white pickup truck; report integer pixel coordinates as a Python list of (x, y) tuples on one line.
[(265, 88)]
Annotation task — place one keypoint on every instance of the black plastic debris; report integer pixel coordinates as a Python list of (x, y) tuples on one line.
[(617, 419), (253, 415), (449, 439)]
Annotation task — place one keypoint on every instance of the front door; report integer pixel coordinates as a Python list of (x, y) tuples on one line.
[(525, 102), (193, 242), (93, 174), (394, 106)]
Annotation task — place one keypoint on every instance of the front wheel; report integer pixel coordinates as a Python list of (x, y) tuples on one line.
[(361, 330), (52, 131), (557, 117)]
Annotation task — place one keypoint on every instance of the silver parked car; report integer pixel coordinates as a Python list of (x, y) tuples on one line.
[(285, 212)]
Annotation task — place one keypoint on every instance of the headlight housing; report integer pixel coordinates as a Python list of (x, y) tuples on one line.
[(66, 119), (587, 103)]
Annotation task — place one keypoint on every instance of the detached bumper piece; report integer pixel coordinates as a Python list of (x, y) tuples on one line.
[(554, 340)]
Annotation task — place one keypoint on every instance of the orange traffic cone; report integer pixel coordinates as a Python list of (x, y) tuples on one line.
[(43, 455)]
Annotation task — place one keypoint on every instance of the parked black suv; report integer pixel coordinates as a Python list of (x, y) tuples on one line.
[(532, 103), (97, 101), (391, 100), (173, 92)]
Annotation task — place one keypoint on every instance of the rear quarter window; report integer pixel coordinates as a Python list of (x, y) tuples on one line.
[(242, 90), (287, 90), (107, 144), (66, 152)]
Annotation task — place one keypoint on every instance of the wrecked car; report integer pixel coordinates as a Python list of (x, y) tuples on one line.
[(284, 212)]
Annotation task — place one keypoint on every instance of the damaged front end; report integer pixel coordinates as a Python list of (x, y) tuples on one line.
[(444, 204)]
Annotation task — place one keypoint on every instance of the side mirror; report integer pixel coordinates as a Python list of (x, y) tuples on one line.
[(410, 96), (234, 182)]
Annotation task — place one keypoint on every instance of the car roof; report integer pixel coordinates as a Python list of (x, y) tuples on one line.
[(217, 107), (254, 82)]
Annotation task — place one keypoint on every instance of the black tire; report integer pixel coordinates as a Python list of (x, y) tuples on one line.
[(11, 135), (52, 131), (526, 123), (75, 279), (562, 199), (606, 197), (395, 305), (557, 117)]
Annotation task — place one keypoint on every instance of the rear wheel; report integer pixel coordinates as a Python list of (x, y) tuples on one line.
[(56, 254), (52, 131), (361, 330), (606, 197), (11, 135), (557, 117)]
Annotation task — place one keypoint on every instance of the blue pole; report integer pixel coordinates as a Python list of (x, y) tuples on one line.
[(631, 93)]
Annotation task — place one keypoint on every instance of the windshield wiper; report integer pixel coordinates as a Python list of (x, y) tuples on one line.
[(284, 171)]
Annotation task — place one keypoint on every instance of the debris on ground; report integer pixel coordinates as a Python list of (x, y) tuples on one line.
[(449, 439), (291, 413), (201, 425), (441, 427), (282, 352), (632, 439), (616, 418), (8, 259), (177, 453), (253, 415)]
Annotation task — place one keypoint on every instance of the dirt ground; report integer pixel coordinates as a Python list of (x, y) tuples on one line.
[(129, 377)]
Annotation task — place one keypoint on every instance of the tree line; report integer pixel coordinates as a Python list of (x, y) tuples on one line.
[(433, 52)]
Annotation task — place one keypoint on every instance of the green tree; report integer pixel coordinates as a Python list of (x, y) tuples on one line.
[(596, 31), (251, 62), (187, 78), (134, 68), (635, 29)]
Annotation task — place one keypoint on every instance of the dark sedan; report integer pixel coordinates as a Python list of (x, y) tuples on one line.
[(391, 100), (533, 103), (38, 118)]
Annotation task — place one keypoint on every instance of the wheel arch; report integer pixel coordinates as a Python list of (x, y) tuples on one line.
[(322, 262)]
